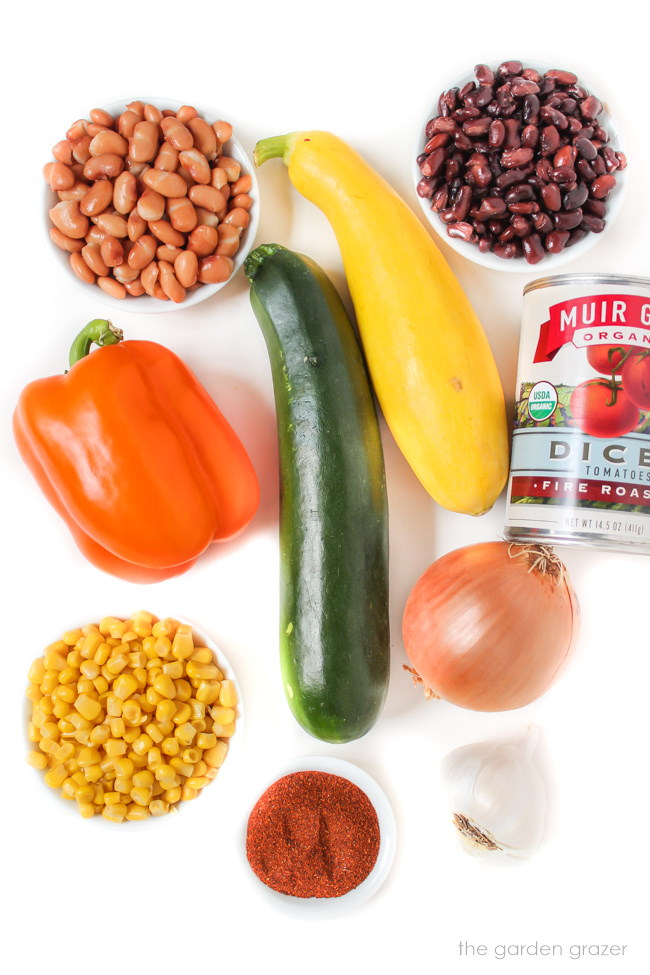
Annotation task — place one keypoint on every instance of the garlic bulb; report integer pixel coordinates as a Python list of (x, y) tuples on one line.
[(497, 796)]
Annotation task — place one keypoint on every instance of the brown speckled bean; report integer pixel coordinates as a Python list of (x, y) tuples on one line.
[(186, 268), (112, 287)]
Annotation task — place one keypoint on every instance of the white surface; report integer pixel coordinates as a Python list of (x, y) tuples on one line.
[(78, 899)]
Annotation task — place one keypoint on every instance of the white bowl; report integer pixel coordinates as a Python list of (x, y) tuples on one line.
[(182, 809), (550, 261), (144, 303), (315, 908)]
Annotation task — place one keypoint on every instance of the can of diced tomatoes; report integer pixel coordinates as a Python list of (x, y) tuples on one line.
[(580, 465)]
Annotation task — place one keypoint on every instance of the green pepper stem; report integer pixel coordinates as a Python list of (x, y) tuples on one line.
[(274, 147), (99, 332)]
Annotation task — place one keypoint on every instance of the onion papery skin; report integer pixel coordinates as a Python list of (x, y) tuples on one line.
[(485, 630)]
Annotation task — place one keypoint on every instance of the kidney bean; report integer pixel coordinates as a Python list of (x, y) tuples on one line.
[(461, 231), (440, 198), (97, 198), (207, 197), (611, 159), (186, 113), (530, 136), (169, 282), (167, 184), (505, 250), (496, 133), (576, 197), (107, 166), (513, 158), (590, 108), (522, 191), (461, 205), (542, 223), (433, 164), (484, 74), (507, 68), (530, 110), (491, 206), (593, 224), (585, 170), (549, 140), (602, 186), (596, 207), (566, 156), (151, 205), (533, 248), (477, 127), (525, 206), (563, 174), (196, 164), (568, 220)]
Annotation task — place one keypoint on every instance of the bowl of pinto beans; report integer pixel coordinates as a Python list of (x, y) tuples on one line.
[(151, 203)]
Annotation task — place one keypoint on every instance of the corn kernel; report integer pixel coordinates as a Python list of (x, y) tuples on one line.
[(223, 730), (154, 758), (183, 643), (200, 768), (165, 710), (115, 747), (123, 785), (215, 756), (56, 776), (135, 812), (86, 809), (55, 656), (183, 768), (164, 686), (124, 686), (90, 669), (88, 756), (172, 795), (68, 789), (222, 715), (183, 714), (87, 707), (170, 746), (154, 733), (191, 755), (37, 760), (49, 730), (115, 812), (116, 663), (142, 744), (37, 671), (86, 686), (208, 691), (202, 655), (187, 793), (197, 782), (131, 712), (206, 740), (228, 694), (158, 807), (199, 671), (93, 773), (163, 647), (173, 669), (185, 733), (61, 709), (164, 627), (100, 734), (74, 659), (141, 795), (183, 689), (131, 735), (149, 646), (65, 752), (197, 708), (69, 675)]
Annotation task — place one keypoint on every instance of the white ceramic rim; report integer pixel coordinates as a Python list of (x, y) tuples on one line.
[(315, 908), (145, 304), (183, 808), (519, 265)]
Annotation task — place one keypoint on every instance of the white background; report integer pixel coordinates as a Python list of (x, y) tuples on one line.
[(81, 896)]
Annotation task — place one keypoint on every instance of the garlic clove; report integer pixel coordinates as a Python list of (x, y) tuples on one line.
[(497, 795)]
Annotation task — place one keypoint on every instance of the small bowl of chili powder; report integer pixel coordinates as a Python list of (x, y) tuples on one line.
[(321, 837)]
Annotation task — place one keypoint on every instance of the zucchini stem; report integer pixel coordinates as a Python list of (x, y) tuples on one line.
[(277, 146)]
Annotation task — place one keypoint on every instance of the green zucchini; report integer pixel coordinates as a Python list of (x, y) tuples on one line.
[(334, 630)]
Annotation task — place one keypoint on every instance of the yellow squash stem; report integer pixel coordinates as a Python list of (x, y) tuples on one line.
[(430, 362)]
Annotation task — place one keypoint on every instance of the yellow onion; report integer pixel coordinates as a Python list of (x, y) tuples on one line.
[(488, 626)]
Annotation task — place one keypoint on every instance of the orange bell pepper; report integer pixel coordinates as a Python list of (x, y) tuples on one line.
[(132, 452)]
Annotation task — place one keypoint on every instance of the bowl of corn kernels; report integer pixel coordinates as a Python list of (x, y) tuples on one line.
[(130, 718)]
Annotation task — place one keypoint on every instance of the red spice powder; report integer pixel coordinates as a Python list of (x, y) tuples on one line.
[(313, 834)]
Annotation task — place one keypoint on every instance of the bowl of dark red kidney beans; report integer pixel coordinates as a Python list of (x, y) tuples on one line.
[(518, 166)]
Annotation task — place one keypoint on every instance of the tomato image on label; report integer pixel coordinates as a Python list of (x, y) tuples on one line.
[(602, 408), (636, 379), (607, 358)]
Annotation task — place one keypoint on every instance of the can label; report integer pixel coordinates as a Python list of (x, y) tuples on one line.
[(580, 466)]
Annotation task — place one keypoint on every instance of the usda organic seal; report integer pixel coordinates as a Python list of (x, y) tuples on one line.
[(542, 401)]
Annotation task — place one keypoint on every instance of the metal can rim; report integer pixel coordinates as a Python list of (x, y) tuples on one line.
[(586, 278)]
